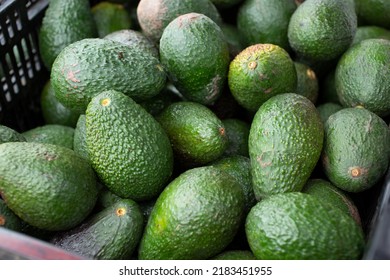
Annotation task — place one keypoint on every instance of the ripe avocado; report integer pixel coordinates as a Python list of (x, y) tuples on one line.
[(8, 134), (38, 183), (195, 54), (362, 76), (234, 38), (79, 138), (356, 149), (370, 32), (327, 109), (328, 193), (264, 21), (197, 135), (111, 234), (90, 66), (321, 30), (52, 134), (155, 15), (285, 143), (239, 167), (127, 147), (307, 82), (53, 111), (300, 226), (195, 217), (259, 72), (374, 12), (64, 22), (110, 17), (133, 38), (237, 132)]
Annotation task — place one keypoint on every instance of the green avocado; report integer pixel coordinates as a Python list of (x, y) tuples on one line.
[(285, 144), (48, 186), (127, 147), (195, 54), (195, 217)]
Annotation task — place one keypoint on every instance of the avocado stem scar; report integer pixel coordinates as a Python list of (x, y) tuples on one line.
[(252, 65), (355, 172), (120, 212), (105, 102)]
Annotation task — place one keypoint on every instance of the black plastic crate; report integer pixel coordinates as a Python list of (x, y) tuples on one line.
[(22, 72), (22, 77)]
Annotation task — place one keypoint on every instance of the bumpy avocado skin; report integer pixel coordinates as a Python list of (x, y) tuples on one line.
[(195, 54), (285, 143)]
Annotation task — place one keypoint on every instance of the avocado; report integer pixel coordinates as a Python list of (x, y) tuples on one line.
[(265, 22), (356, 149), (322, 30), (79, 138), (155, 15), (127, 147), (195, 54), (8, 134), (223, 4), (64, 23), (133, 38), (90, 66), (298, 226), (328, 193), (307, 82), (285, 143), (370, 32), (8, 219), (158, 103), (260, 72), (197, 135), (106, 198), (51, 133), (195, 217), (362, 76), (237, 132), (39, 183), (328, 92), (111, 234), (53, 111), (235, 255), (239, 167), (234, 38), (110, 17), (327, 109), (374, 12)]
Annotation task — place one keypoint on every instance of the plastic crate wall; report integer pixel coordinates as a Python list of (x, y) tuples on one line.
[(22, 73)]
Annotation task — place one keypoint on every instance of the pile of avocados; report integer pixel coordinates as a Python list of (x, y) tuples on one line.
[(204, 129)]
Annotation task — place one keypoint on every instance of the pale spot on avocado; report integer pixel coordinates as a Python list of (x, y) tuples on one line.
[(263, 163), (161, 223), (120, 211), (105, 102), (310, 73), (71, 76), (49, 157)]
